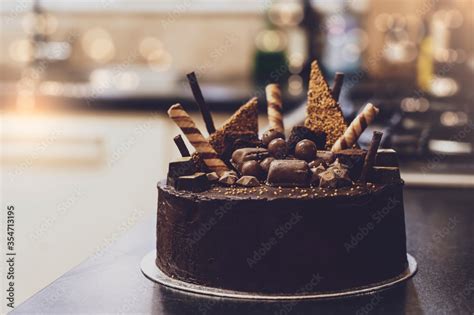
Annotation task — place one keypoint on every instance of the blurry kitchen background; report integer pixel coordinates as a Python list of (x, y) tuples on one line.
[(85, 84)]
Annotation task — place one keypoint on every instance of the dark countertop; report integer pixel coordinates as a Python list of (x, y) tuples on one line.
[(440, 225)]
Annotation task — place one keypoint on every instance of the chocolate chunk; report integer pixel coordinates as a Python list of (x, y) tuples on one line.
[(265, 164), (248, 141), (234, 173), (299, 133), (305, 150), (384, 175), (327, 156), (315, 171), (337, 164), (288, 173), (327, 179), (342, 176), (229, 178), (251, 168), (180, 167), (386, 157), (212, 177), (354, 159), (271, 134), (317, 162), (199, 163), (248, 154), (278, 148), (248, 181), (234, 141), (196, 183)]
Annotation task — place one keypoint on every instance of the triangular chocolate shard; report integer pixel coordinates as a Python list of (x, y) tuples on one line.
[(323, 112), (243, 121)]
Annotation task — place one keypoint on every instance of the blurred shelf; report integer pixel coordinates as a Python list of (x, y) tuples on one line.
[(132, 6)]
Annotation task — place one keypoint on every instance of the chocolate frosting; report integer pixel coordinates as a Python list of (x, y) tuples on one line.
[(276, 239)]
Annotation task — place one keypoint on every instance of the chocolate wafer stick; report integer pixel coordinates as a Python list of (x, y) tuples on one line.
[(178, 140), (337, 85), (274, 110), (195, 137), (206, 113), (370, 156), (355, 129)]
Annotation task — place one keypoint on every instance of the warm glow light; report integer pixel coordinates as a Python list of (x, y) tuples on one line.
[(449, 147), (411, 104), (51, 88), (160, 61), (150, 45), (102, 50), (402, 51), (100, 79), (127, 81), (271, 41), (296, 60), (21, 50), (443, 87), (98, 45), (446, 55), (25, 100), (287, 13), (451, 119), (295, 84), (450, 18), (45, 24)]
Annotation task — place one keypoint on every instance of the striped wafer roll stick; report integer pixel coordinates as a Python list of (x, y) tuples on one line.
[(355, 129), (275, 117), (195, 137)]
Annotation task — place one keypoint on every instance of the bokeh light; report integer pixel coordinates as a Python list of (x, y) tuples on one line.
[(443, 87), (45, 23), (295, 84), (452, 119), (160, 61), (127, 81), (150, 45), (271, 41), (98, 45), (21, 51)]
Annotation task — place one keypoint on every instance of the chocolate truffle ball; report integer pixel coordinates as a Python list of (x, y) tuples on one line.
[(305, 150), (271, 134), (278, 148), (265, 164), (251, 168)]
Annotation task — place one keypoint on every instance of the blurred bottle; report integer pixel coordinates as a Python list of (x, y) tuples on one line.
[(270, 65), (283, 48)]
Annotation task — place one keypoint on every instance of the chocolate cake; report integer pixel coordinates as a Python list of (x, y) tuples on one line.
[(275, 216)]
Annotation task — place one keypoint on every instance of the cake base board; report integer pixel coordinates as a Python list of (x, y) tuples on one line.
[(152, 272)]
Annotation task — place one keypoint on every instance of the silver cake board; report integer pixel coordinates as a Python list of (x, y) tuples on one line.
[(152, 272)]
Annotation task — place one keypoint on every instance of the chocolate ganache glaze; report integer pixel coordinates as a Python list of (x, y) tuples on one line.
[(276, 240)]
